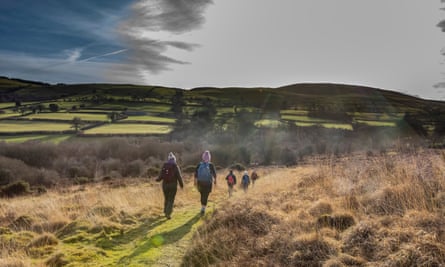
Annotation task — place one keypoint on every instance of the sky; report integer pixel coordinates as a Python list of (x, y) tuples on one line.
[(397, 45)]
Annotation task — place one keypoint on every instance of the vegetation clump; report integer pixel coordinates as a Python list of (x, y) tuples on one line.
[(16, 189)]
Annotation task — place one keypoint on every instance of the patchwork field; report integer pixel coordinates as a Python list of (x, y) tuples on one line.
[(129, 128)]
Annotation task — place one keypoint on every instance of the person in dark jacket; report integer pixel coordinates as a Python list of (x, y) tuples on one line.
[(231, 181), (245, 181), (205, 175), (170, 176)]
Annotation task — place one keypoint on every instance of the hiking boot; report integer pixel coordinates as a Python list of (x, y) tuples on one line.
[(202, 212), (168, 216)]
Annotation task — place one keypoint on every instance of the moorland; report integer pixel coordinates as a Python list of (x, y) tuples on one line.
[(350, 176)]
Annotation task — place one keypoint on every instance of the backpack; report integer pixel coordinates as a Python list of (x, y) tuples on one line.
[(204, 174), (230, 180), (168, 172), (246, 180)]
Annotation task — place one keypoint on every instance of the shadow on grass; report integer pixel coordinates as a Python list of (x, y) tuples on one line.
[(163, 238), (130, 236)]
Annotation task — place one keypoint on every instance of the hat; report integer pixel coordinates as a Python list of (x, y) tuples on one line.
[(206, 156), (171, 157)]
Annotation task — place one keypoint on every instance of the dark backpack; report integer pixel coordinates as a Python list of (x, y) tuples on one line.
[(230, 180), (245, 180), (168, 173), (204, 174)]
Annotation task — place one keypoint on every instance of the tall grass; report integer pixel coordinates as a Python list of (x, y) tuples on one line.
[(32, 227), (354, 211)]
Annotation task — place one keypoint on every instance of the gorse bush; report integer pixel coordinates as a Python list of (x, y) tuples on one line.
[(15, 189)]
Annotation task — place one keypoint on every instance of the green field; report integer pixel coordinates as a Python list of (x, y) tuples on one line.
[(129, 128), (7, 115), (52, 138), (7, 104), (378, 123), (154, 119), (32, 126), (68, 116), (268, 123), (302, 118)]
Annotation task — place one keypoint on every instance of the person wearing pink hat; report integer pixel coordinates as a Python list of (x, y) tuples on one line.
[(205, 176)]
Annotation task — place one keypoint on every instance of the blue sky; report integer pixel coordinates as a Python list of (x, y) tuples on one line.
[(394, 45)]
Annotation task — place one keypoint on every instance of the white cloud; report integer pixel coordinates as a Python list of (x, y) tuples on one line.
[(74, 54)]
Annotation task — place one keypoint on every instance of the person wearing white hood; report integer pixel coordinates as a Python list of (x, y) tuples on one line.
[(205, 176), (170, 175)]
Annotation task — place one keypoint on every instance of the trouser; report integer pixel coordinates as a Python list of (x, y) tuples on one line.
[(204, 188), (230, 189), (169, 197)]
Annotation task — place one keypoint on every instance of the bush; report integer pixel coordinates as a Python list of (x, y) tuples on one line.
[(153, 171), (16, 189), (189, 169), (134, 168), (238, 166)]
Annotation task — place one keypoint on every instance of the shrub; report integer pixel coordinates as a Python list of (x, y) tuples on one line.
[(44, 240), (22, 222), (339, 222), (81, 180), (134, 168), (320, 208), (153, 171), (16, 189), (189, 169), (238, 166)]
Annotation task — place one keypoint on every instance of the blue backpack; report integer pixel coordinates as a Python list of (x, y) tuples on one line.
[(204, 174)]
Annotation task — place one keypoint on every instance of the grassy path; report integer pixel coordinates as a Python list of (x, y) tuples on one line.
[(153, 241), (165, 242)]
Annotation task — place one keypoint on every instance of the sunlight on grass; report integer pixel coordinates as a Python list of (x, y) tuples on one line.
[(378, 123), (130, 128), (301, 118), (344, 126), (68, 116), (32, 126), (268, 123), (7, 104), (150, 119), (7, 115), (56, 138)]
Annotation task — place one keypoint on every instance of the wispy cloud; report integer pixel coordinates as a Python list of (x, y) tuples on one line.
[(151, 17), (104, 55), (74, 55)]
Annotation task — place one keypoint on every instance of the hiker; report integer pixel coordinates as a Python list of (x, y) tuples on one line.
[(254, 176), (231, 181), (245, 181), (170, 175), (205, 175)]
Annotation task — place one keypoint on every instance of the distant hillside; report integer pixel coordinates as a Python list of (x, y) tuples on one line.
[(333, 97)]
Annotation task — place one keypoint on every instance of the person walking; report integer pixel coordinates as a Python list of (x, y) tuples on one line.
[(205, 176), (254, 176), (245, 181), (170, 176), (231, 181)]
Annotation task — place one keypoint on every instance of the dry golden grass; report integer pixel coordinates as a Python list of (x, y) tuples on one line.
[(31, 227), (355, 211)]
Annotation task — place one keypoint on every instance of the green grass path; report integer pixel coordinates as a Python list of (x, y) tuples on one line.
[(165, 242), (153, 242)]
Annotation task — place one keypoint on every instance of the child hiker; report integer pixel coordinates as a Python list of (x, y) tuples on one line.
[(231, 181)]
